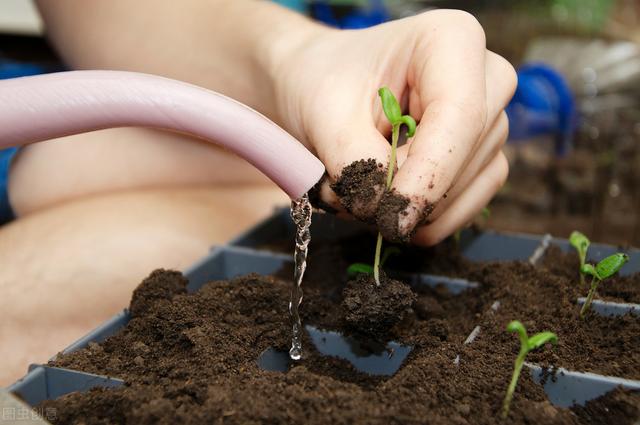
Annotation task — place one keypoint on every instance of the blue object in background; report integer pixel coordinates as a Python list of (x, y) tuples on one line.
[(298, 5), (6, 212), (542, 105), (12, 69), (374, 14)]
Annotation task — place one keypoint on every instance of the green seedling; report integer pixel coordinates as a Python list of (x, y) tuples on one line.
[(392, 111), (484, 215), (456, 238), (603, 270), (362, 268), (526, 345), (581, 243)]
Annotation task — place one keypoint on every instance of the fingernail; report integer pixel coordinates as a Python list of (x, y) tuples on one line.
[(359, 187)]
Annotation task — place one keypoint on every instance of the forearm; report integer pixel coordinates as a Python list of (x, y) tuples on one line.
[(233, 47), (56, 171)]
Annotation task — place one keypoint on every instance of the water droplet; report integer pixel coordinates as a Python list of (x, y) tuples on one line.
[(295, 353)]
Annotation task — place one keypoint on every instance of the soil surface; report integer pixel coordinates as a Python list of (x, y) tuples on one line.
[(611, 408), (191, 358), (617, 288)]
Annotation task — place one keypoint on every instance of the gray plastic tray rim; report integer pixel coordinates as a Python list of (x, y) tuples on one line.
[(476, 246)]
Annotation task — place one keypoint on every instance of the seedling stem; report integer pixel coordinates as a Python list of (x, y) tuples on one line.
[(395, 134), (581, 243), (526, 345), (392, 110)]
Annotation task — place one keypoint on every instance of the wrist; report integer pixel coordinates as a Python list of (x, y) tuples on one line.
[(275, 51)]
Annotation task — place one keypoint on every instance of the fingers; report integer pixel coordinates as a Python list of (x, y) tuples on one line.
[(454, 87), (468, 205), (356, 160), (501, 84), (502, 81), (451, 144), (323, 197), (451, 84), (487, 150)]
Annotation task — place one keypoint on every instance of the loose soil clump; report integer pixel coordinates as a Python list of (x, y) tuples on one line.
[(373, 309), (392, 206), (359, 186)]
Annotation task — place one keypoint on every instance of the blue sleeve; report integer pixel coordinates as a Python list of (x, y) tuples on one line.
[(6, 212)]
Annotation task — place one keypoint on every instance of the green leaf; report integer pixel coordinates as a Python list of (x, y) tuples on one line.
[(538, 340), (356, 268), (410, 123), (388, 252), (390, 106), (581, 243), (611, 265), (516, 326), (485, 213), (590, 270)]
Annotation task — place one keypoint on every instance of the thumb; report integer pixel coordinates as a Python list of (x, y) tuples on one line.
[(356, 158)]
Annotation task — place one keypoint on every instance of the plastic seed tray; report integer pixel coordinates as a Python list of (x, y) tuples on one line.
[(249, 253)]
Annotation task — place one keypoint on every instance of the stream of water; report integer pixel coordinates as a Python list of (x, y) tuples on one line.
[(301, 215)]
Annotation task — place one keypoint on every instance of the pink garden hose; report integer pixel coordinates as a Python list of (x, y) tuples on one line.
[(43, 107)]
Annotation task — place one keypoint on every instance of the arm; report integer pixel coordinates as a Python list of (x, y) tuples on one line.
[(222, 45), (232, 47), (321, 85)]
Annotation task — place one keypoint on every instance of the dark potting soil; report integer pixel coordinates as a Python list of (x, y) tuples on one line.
[(372, 309), (362, 182), (392, 205), (358, 184), (611, 407), (445, 259), (192, 357), (617, 288)]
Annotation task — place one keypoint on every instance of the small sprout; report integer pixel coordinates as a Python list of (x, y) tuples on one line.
[(357, 268), (581, 243), (485, 213), (484, 216), (526, 345), (393, 112), (603, 270), (456, 238)]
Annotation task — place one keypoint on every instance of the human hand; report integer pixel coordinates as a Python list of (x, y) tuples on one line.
[(438, 67)]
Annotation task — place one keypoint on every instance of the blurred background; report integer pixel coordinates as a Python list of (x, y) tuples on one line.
[(574, 143)]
